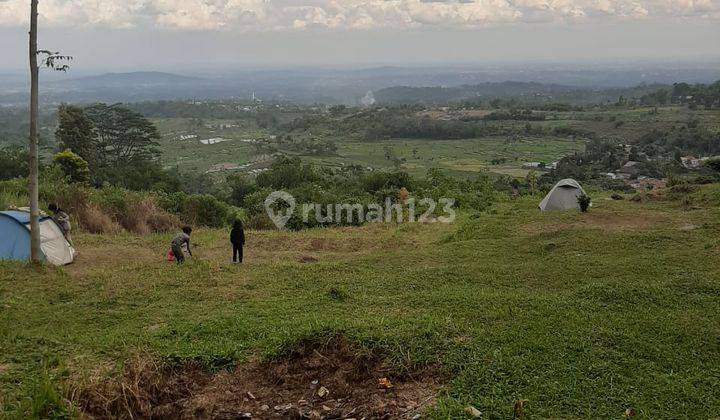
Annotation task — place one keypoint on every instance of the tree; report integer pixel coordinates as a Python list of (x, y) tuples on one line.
[(53, 61), (123, 135), (13, 163), (76, 132), (72, 165), (240, 187)]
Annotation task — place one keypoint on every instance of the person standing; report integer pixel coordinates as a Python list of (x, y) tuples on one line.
[(182, 239), (237, 239), (62, 219)]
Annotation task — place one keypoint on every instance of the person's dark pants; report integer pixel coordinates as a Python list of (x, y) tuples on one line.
[(178, 252), (237, 253)]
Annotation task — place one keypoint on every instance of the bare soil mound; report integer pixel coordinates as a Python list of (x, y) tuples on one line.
[(331, 378)]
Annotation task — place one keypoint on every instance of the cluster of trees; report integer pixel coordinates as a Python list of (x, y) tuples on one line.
[(693, 95), (107, 145), (15, 125), (407, 122), (119, 145), (657, 153), (515, 103), (600, 156), (263, 114), (428, 128), (707, 96), (352, 185), (513, 114), (307, 146), (687, 139)]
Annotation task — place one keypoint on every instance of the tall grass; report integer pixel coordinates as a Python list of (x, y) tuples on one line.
[(13, 194), (94, 210)]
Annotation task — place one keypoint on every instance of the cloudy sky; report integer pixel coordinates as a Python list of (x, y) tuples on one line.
[(162, 34)]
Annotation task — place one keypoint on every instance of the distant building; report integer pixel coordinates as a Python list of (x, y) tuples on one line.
[(533, 165), (691, 162), (214, 140)]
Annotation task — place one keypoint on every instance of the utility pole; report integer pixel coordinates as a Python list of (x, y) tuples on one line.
[(33, 160)]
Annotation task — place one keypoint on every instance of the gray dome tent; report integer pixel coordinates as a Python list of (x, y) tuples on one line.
[(15, 243), (563, 196)]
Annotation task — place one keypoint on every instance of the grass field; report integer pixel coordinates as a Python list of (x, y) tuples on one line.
[(458, 156), (191, 155), (577, 315)]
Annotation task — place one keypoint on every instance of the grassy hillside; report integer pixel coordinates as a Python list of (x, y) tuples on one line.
[(577, 315)]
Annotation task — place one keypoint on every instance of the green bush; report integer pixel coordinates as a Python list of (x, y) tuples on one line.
[(206, 210), (584, 202), (73, 166), (200, 209), (713, 164)]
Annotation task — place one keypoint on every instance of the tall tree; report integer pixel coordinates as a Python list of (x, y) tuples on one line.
[(123, 135), (53, 61), (76, 132)]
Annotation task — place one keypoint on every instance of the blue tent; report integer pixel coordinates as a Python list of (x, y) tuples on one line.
[(15, 242)]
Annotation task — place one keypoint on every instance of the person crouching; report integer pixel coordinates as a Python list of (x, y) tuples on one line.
[(182, 239)]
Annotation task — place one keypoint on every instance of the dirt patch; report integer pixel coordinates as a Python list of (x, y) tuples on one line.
[(331, 378), (608, 222), (307, 259)]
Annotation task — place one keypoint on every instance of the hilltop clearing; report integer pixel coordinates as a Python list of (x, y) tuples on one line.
[(560, 314)]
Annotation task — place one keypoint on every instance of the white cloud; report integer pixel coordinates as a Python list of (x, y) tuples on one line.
[(265, 15)]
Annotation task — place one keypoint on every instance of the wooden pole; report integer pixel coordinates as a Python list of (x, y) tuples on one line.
[(35, 255)]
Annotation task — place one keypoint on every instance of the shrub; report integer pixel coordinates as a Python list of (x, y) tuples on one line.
[(73, 166), (379, 181), (287, 173), (240, 187), (678, 190), (713, 164), (200, 209), (584, 202)]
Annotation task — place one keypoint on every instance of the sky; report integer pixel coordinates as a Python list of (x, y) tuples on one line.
[(208, 34)]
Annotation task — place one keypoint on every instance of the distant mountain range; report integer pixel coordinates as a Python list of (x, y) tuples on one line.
[(333, 86)]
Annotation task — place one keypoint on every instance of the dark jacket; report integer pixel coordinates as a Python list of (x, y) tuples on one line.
[(237, 235)]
